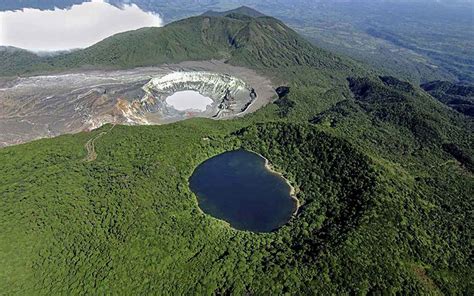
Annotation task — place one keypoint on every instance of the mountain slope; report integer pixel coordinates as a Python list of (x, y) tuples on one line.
[(14, 60), (460, 97), (243, 10), (383, 172), (238, 38)]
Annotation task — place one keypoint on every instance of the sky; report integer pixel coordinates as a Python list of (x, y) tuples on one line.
[(78, 27)]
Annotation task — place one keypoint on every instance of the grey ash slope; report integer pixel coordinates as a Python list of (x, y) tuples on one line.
[(383, 171), (262, 43)]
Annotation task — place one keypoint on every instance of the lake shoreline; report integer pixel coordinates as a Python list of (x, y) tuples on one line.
[(270, 168)]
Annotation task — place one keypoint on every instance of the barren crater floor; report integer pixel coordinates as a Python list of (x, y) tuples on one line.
[(47, 106)]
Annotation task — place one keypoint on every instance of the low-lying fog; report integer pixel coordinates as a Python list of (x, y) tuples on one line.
[(77, 27)]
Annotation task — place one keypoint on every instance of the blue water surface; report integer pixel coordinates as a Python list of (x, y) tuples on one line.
[(237, 187)]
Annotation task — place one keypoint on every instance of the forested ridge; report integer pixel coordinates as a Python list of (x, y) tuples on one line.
[(236, 38), (382, 170)]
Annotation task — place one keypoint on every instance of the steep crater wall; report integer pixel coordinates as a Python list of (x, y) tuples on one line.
[(47, 106), (230, 95)]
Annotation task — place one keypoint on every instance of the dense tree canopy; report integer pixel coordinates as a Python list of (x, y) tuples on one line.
[(382, 170)]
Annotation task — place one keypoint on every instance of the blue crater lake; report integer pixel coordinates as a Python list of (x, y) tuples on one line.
[(237, 187)]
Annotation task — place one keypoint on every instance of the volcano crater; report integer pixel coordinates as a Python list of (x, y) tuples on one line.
[(197, 93)]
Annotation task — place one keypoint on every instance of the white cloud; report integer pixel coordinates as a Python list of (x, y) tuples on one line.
[(78, 27)]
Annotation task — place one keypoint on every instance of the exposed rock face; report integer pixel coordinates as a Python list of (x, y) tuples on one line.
[(230, 95), (207, 83), (46, 106)]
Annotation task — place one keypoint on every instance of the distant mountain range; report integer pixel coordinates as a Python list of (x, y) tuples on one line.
[(382, 170), (395, 37)]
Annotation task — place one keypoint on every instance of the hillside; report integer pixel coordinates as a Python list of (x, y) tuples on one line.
[(382, 169), (243, 10), (458, 96), (236, 38), (395, 37), (14, 60)]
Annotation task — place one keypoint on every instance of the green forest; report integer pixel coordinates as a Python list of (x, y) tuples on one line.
[(383, 172)]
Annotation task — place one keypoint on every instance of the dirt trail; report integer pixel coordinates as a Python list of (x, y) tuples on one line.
[(90, 146)]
